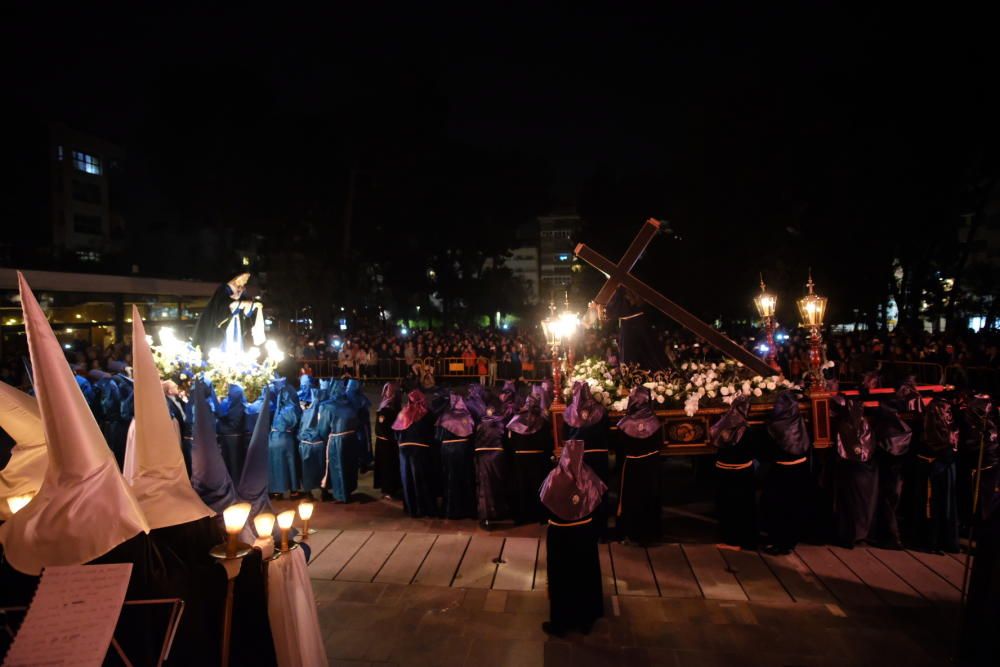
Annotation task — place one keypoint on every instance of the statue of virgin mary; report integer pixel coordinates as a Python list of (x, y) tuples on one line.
[(228, 316)]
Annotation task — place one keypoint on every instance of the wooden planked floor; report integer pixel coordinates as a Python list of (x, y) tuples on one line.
[(863, 577)]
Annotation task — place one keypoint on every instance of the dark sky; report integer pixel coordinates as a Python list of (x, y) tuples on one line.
[(756, 131)]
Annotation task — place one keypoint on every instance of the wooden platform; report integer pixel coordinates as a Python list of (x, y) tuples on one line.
[(815, 575)]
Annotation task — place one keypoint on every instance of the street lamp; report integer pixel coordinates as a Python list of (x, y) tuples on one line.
[(767, 304), (812, 308)]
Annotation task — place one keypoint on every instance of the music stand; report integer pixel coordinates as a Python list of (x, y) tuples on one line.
[(174, 620)]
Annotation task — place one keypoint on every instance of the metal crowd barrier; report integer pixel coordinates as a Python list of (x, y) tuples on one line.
[(442, 367), (979, 378), (894, 373)]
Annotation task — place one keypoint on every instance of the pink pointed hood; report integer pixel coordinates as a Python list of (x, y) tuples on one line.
[(84, 508), (24, 471), (154, 465)]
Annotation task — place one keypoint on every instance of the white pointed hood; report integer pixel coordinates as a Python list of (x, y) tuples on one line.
[(84, 508), (154, 465), (24, 471)]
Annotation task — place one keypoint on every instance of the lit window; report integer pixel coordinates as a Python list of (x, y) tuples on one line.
[(89, 164), (246, 261), (88, 256), (562, 257)]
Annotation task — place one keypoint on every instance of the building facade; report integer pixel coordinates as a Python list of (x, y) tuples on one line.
[(557, 238)]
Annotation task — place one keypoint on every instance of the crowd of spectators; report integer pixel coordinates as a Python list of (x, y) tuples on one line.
[(497, 353)]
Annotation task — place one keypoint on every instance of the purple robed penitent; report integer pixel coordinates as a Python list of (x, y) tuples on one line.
[(583, 410), (416, 408), (572, 490), (457, 419), (529, 418), (639, 421)]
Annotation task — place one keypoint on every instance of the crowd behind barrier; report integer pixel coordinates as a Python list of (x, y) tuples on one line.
[(493, 354)]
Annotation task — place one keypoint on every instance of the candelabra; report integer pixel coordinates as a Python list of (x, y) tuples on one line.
[(231, 553)]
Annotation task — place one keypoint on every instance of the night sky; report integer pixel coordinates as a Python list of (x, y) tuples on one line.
[(771, 140)]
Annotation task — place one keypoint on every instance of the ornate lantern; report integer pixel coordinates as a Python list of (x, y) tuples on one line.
[(812, 308), (767, 304)]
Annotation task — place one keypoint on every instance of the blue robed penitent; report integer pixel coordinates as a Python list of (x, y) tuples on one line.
[(284, 476), (339, 415)]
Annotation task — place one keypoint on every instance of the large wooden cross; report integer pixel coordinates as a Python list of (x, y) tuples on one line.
[(619, 275)]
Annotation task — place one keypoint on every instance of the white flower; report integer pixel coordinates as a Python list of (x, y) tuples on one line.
[(757, 392), (771, 386), (669, 392), (724, 391), (758, 379), (609, 384), (746, 387), (728, 400)]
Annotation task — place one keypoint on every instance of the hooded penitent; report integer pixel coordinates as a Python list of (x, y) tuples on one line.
[(457, 419), (978, 426), (392, 398), (787, 427), (84, 508), (209, 477), (25, 470), (940, 434), (731, 428), (508, 399), (154, 465), (907, 398), (529, 419), (416, 408), (305, 389), (892, 434), (572, 490), (252, 487), (854, 437), (583, 410), (544, 389), (639, 421), (476, 400)]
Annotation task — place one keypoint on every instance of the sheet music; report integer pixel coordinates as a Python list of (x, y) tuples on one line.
[(72, 616)]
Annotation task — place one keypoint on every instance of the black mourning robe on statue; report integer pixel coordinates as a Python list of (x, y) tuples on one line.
[(210, 329), (637, 342)]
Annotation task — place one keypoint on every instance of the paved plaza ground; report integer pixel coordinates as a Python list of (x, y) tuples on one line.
[(398, 591)]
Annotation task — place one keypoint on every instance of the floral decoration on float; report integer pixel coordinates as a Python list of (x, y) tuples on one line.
[(182, 361), (696, 385)]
